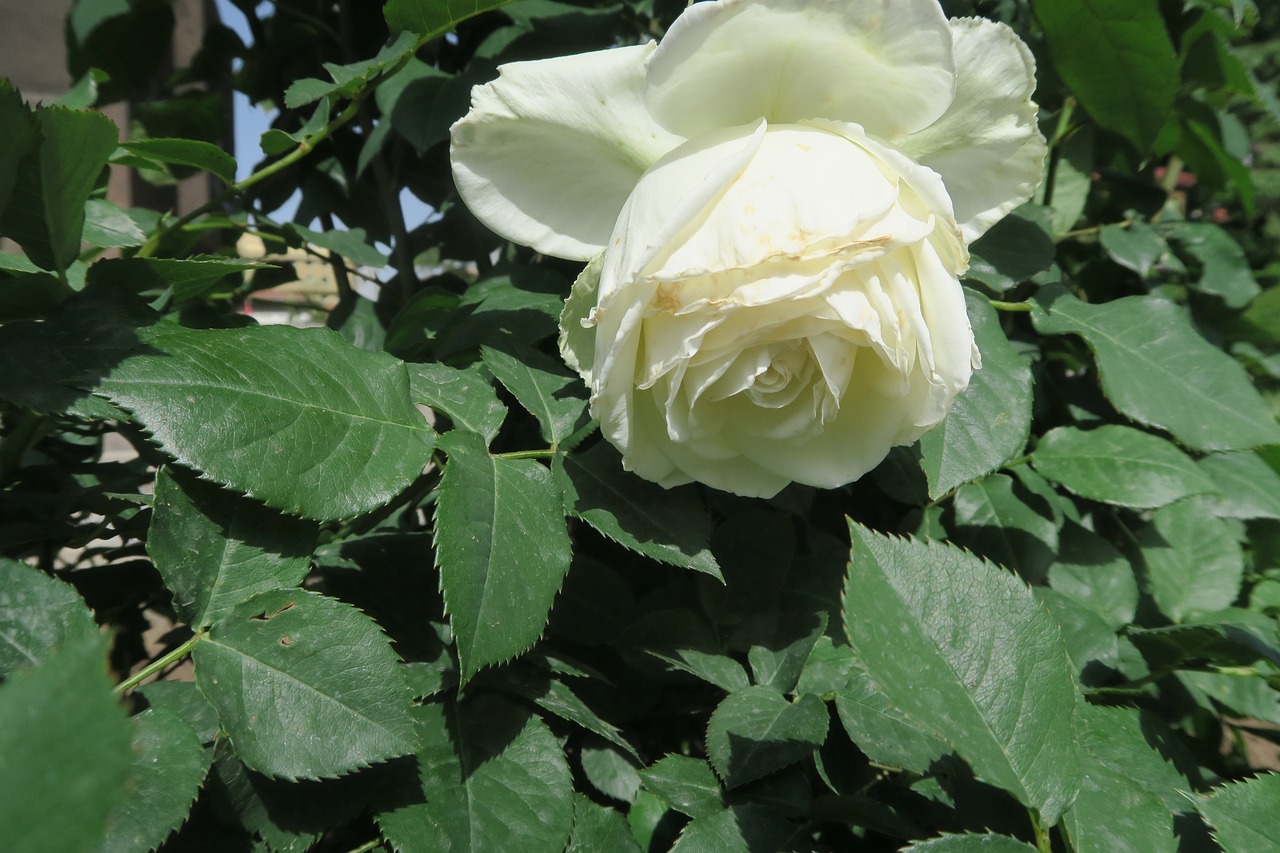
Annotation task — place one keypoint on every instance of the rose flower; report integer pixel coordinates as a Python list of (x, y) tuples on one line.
[(776, 203)]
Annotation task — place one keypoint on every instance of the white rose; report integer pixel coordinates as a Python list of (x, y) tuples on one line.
[(776, 202)]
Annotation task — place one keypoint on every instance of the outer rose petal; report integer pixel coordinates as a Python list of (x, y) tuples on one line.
[(884, 64), (550, 150), (987, 146)]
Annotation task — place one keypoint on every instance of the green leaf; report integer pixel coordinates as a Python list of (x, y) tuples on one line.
[(1012, 251), (667, 525), (349, 79), (1243, 696), (305, 686), (1224, 269), (883, 731), (352, 243), (1194, 563), (712, 667), (778, 662), (38, 616), (433, 18), (1117, 59), (215, 549), (186, 152), (1136, 246), (596, 828), (1243, 814), (45, 214), (188, 278), (1092, 572), (685, 784), (289, 816), (1000, 520), (555, 396), (1085, 633), (964, 648), (64, 752), (828, 668), (502, 549), (740, 829), (109, 226), (491, 776), (970, 843), (297, 418), (555, 696), (609, 771), (464, 395), (47, 366), (756, 731), (1119, 465), (22, 133), (169, 765), (1248, 487), (990, 422), (1222, 644), (1157, 370), (184, 699)]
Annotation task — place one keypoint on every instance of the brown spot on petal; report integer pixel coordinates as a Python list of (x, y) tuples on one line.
[(667, 298)]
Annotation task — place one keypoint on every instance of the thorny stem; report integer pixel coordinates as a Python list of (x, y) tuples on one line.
[(159, 664)]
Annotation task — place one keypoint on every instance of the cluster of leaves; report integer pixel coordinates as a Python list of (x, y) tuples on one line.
[(298, 614)]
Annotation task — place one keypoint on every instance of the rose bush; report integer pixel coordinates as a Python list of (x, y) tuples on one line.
[(776, 203)]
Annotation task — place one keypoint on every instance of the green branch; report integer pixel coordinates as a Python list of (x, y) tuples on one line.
[(159, 664)]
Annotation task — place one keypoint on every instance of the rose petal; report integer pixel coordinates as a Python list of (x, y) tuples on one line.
[(550, 151), (577, 331), (987, 146), (885, 64)]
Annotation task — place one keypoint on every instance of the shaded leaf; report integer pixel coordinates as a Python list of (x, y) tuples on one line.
[(215, 549), (740, 829), (188, 278), (433, 18), (186, 152), (596, 828), (1223, 644), (491, 776), (1007, 524), (45, 214), (1091, 571), (670, 526), (554, 395), (1193, 562), (990, 421), (883, 731), (756, 731), (1247, 486), (970, 843), (685, 784)]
